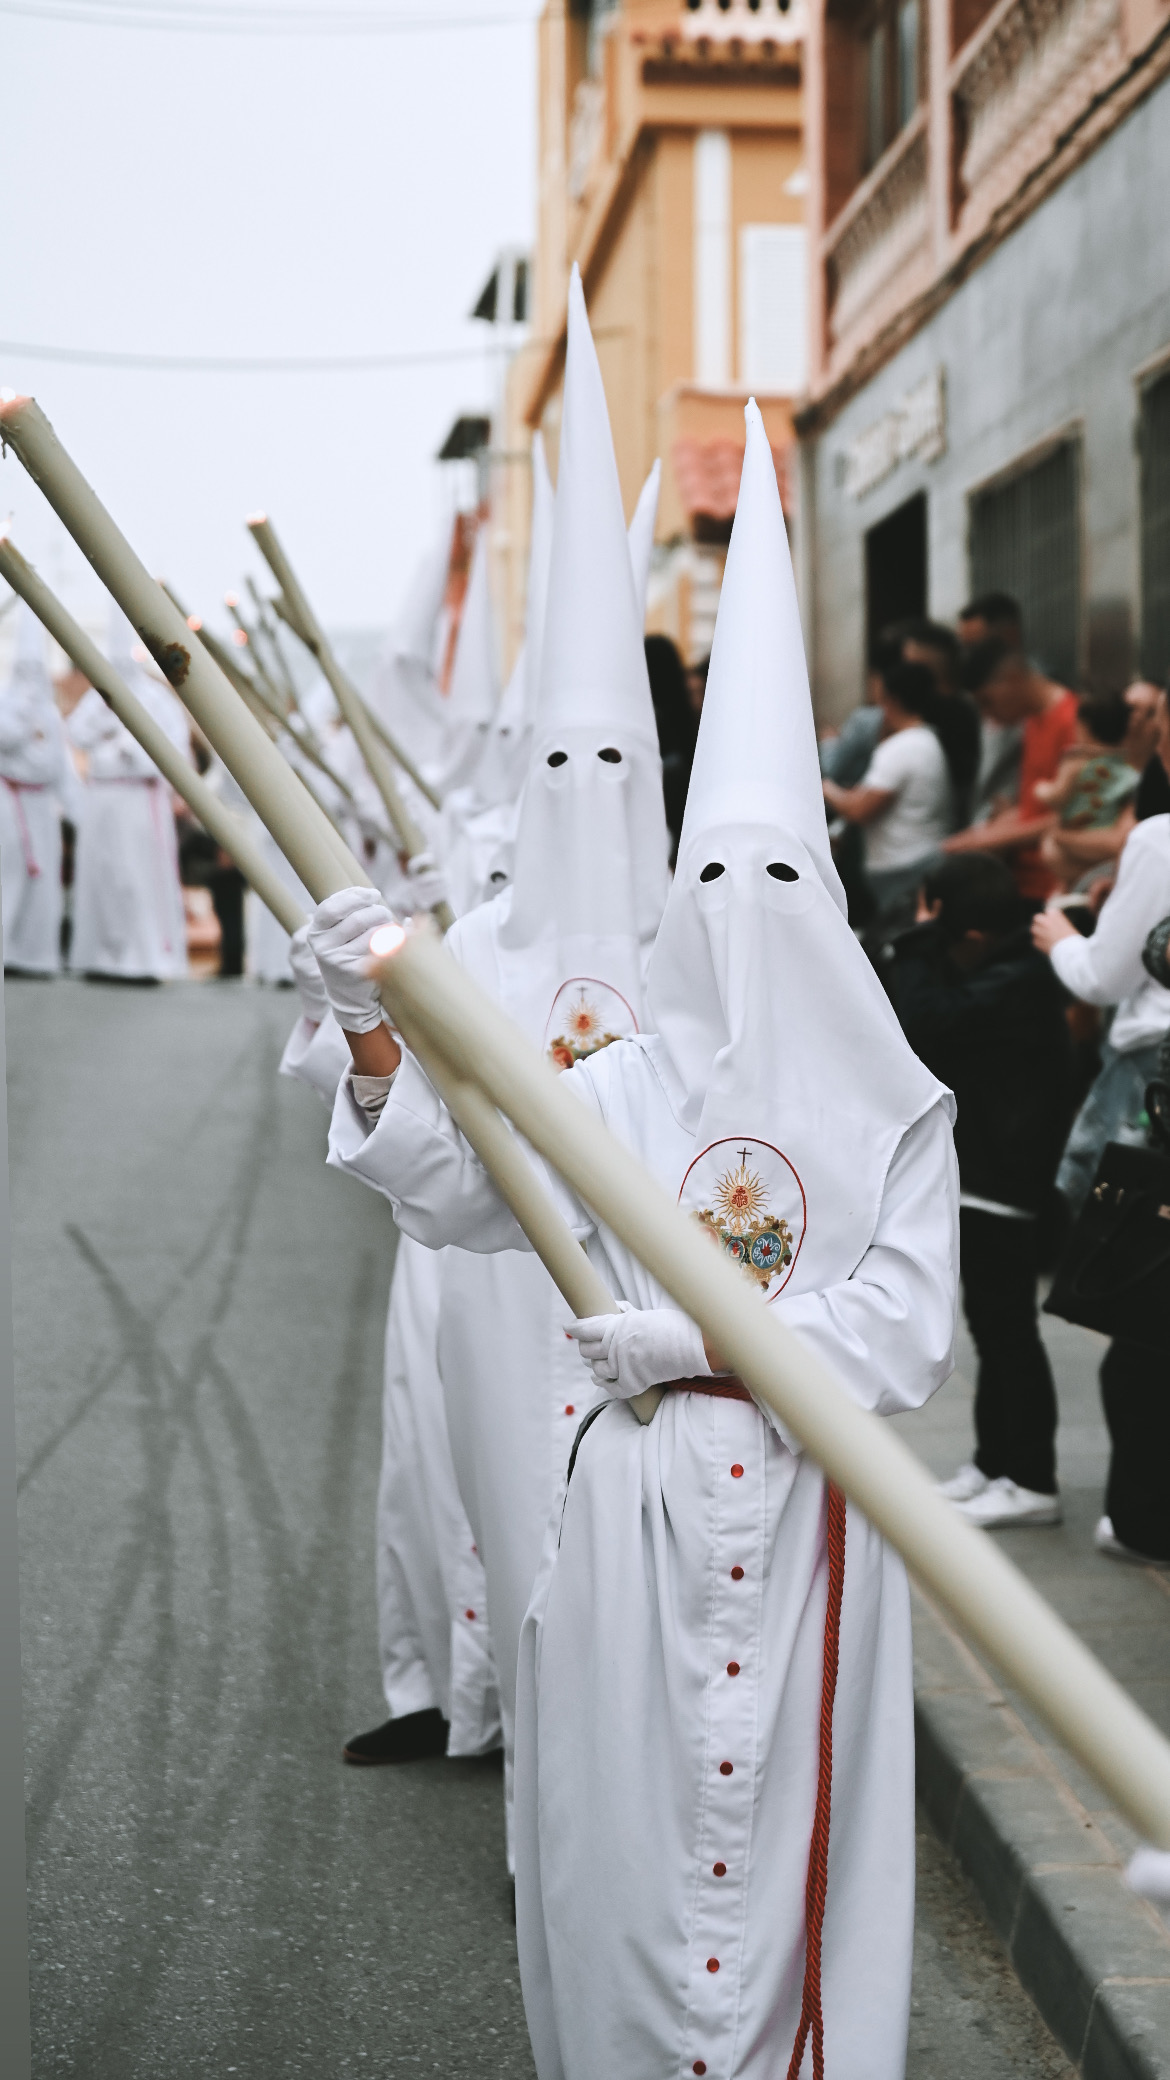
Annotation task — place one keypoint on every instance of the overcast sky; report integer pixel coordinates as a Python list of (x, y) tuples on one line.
[(172, 192)]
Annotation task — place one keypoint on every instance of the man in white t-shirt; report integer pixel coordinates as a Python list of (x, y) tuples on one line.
[(904, 801)]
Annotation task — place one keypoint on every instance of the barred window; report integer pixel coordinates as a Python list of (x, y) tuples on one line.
[(1025, 539), (1154, 445)]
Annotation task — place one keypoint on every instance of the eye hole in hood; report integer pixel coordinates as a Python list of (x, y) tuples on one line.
[(780, 871), (611, 756), (713, 869), (558, 758)]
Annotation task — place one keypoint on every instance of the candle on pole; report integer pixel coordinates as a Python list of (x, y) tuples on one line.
[(256, 702), (227, 829), (1089, 1711), (263, 777), (258, 769), (296, 610)]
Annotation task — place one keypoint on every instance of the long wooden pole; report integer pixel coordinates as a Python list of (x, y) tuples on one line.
[(251, 694), (272, 639), (401, 757), (349, 700), (285, 612), (217, 819), (1086, 1708)]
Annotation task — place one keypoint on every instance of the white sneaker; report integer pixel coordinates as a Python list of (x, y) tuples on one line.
[(1106, 1541), (968, 1481), (1002, 1502)]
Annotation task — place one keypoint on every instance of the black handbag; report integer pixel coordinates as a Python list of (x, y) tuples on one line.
[(1115, 1272)]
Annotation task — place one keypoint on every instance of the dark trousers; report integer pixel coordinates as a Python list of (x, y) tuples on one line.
[(1135, 1390), (227, 895), (1015, 1400)]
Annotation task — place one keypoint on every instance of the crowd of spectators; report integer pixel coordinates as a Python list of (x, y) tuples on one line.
[(1005, 847)]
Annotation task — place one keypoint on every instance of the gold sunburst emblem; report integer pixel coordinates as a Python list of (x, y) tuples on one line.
[(755, 1239), (585, 1034)]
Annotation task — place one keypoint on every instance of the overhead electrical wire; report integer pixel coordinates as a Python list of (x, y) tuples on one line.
[(220, 20), (251, 364)]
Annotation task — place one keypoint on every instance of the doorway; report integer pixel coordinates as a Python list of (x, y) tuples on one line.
[(895, 568)]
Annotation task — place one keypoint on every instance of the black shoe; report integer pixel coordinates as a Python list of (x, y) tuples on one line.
[(417, 1738)]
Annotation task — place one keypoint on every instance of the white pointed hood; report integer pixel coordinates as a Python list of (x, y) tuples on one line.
[(474, 688), (564, 948), (30, 671), (778, 1043), (539, 559), (414, 631), (32, 741), (642, 537), (591, 845), (499, 776), (157, 699), (404, 693)]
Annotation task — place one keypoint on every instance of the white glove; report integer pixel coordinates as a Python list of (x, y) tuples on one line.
[(339, 935), (1148, 1872), (307, 976), (428, 883), (639, 1347)]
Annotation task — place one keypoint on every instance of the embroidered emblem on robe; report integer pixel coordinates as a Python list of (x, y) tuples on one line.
[(748, 1197), (585, 1016)]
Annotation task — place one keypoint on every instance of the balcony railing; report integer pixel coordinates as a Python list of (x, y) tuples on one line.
[(744, 21), (1027, 73), (878, 233)]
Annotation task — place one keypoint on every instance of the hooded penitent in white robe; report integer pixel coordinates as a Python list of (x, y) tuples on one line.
[(37, 784), (434, 1636), (128, 916), (474, 689), (564, 951), (478, 832), (673, 1662), (405, 694)]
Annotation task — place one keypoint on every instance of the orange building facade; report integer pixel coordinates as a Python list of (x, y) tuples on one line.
[(671, 171)]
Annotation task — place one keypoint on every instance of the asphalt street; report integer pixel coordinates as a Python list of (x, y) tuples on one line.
[(199, 1310)]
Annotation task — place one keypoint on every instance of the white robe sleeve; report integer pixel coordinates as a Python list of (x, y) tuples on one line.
[(417, 1158), (316, 1055), (888, 1332), (1108, 967)]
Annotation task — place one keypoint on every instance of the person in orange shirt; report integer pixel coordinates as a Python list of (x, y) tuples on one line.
[(1010, 689)]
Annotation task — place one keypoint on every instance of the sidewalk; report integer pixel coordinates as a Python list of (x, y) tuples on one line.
[(1031, 1829)]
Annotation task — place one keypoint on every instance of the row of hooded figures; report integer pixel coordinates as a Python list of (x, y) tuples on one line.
[(696, 1659)]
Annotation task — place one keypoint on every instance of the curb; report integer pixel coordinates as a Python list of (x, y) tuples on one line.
[(1094, 1958)]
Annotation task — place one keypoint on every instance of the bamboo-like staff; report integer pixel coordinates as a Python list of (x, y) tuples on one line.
[(403, 758), (266, 705), (270, 719), (261, 675), (286, 612), (265, 622), (272, 788), (1088, 1710), (294, 608), (217, 819)]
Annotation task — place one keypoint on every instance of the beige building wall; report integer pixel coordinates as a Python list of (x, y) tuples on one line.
[(617, 193)]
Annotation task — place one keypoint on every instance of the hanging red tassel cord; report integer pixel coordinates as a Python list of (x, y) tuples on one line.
[(811, 2016)]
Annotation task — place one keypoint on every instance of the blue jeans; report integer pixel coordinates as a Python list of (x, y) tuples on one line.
[(1115, 1110)]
